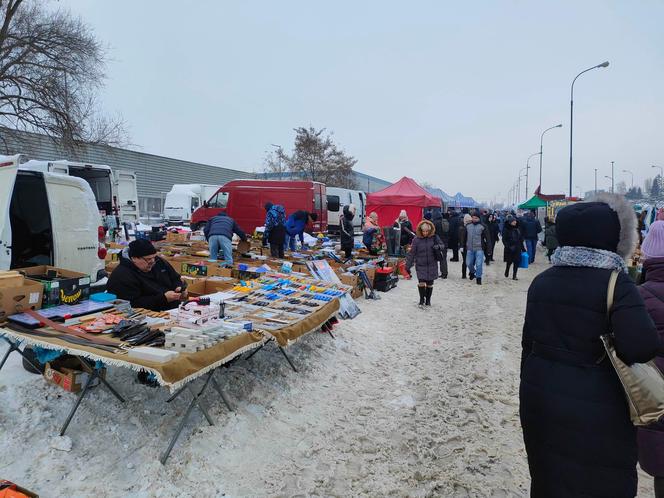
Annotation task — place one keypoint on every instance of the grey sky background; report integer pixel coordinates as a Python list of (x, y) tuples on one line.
[(455, 93)]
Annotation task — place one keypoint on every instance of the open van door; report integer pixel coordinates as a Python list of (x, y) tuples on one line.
[(127, 195), (8, 170)]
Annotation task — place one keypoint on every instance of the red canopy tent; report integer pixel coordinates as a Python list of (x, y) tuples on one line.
[(404, 194)]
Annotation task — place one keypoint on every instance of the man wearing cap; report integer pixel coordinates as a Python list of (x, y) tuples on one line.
[(146, 280)]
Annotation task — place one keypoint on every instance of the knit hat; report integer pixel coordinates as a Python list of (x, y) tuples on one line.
[(653, 244), (140, 248), (467, 219), (268, 206)]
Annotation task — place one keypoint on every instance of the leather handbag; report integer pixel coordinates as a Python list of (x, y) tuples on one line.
[(643, 382)]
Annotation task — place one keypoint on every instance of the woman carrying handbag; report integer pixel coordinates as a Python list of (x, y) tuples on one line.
[(577, 429)]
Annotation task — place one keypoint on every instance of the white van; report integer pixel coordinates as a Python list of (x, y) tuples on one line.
[(114, 190), (337, 198), (48, 218), (184, 199)]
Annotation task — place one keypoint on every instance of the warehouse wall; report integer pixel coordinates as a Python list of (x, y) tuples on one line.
[(155, 174)]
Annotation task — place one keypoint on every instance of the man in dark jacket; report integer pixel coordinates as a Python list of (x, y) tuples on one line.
[(347, 230), (455, 223), (219, 234), (530, 227), (295, 225), (146, 280)]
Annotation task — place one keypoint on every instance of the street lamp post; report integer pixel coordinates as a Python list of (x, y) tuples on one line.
[(595, 181), (613, 177), (610, 178), (522, 175), (540, 152), (632, 174), (571, 117), (528, 169), (661, 173)]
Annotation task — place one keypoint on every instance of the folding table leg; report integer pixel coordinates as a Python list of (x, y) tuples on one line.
[(216, 385), (287, 359), (78, 402), (256, 350), (329, 331), (13, 346), (194, 402), (11, 349)]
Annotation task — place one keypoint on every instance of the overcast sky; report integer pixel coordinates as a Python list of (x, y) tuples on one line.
[(455, 93)]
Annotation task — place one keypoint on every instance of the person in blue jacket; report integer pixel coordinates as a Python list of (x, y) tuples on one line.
[(219, 234), (295, 225), (275, 229)]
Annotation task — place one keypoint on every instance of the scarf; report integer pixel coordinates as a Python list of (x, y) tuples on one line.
[(588, 258)]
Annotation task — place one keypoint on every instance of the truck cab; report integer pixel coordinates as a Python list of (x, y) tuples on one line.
[(48, 218)]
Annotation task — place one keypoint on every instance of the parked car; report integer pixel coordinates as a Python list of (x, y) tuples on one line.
[(184, 199), (337, 198), (48, 218), (114, 190), (244, 201)]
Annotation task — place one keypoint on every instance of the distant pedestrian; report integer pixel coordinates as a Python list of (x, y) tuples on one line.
[(577, 431), (275, 229), (463, 236), (372, 236), (295, 225), (514, 246), (531, 228), (423, 255), (347, 230), (494, 231), (407, 232), (456, 222), (219, 232), (550, 237), (476, 244)]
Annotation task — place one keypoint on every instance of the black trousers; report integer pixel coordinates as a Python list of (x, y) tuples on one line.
[(463, 265), (514, 270), (348, 251), (277, 251)]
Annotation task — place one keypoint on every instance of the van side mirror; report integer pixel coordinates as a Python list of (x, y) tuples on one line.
[(205, 204)]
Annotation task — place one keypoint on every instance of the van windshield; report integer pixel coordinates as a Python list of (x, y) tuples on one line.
[(219, 200)]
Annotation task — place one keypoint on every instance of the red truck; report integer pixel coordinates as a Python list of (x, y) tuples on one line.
[(244, 201)]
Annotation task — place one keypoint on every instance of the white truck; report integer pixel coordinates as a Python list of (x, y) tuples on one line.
[(337, 198), (114, 190), (184, 199), (48, 218)]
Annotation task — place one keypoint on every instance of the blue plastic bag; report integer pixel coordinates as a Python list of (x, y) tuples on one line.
[(525, 258)]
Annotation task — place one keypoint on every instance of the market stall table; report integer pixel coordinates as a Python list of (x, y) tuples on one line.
[(176, 374)]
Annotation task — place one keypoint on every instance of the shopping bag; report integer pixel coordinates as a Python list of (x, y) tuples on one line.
[(524, 260)]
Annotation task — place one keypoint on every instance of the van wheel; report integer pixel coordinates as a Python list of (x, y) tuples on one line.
[(33, 358)]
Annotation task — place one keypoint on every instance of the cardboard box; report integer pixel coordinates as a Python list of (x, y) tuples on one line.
[(215, 270), (11, 279), (60, 286), (349, 279), (204, 286), (15, 299), (177, 237), (110, 266), (68, 373)]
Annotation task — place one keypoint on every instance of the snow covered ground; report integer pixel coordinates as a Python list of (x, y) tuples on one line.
[(405, 402)]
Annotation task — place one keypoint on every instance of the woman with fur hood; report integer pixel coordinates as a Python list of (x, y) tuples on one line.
[(577, 431), (423, 255)]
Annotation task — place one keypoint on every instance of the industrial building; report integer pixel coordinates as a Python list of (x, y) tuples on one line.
[(155, 174)]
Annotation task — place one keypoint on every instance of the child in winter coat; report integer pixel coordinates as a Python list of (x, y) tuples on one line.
[(423, 255)]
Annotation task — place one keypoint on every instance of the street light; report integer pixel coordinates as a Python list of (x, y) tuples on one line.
[(540, 152), (628, 171), (661, 173), (595, 181), (520, 176), (528, 168), (571, 117), (613, 177), (610, 178)]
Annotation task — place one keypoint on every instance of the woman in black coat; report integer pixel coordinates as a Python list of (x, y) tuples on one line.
[(576, 427), (514, 246), (347, 230)]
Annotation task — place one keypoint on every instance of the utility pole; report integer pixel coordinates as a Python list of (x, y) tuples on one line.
[(595, 181), (613, 178)]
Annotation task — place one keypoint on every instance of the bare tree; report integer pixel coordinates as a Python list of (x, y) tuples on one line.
[(426, 185), (51, 66), (317, 158), (274, 162)]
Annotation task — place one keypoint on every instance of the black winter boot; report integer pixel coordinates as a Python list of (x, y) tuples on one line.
[(479, 281), (428, 293), (507, 270), (514, 270), (472, 275), (422, 291)]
